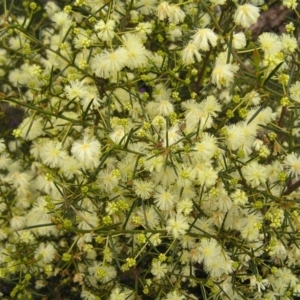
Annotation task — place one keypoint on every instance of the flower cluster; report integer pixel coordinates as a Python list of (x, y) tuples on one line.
[(157, 152)]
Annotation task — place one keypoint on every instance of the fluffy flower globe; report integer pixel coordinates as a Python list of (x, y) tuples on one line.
[(172, 136), (175, 14), (89, 220), (143, 189), (17, 222), (87, 151), (102, 272), (107, 180), (255, 173), (289, 43), (163, 10), (109, 62), (119, 293), (292, 163), (172, 12), (177, 225), (246, 15), (205, 150), (51, 8), (270, 43), (203, 38), (62, 19), (174, 296), (143, 28), (105, 31), (159, 269), (146, 7), (76, 89), (290, 3), (118, 135), (239, 40), (164, 199), (295, 91), (45, 254), (164, 108), (190, 54), (223, 75), (52, 154), (5, 161), (31, 128), (137, 55)]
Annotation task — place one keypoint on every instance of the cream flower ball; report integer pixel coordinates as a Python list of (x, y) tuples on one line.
[(246, 15)]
